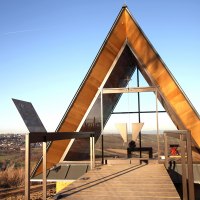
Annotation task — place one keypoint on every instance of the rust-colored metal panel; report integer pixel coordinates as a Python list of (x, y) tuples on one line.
[(88, 89), (169, 89)]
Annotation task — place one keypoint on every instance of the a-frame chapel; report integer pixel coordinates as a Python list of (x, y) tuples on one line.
[(125, 48)]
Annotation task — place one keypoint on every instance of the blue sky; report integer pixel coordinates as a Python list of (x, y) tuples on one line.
[(47, 47)]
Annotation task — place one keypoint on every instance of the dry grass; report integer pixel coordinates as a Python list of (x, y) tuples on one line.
[(12, 177)]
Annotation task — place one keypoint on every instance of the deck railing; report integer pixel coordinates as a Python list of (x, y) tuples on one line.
[(45, 137), (185, 143)]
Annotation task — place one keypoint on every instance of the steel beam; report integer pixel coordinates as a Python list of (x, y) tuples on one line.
[(128, 90), (184, 176), (27, 167), (190, 167), (141, 112), (166, 151), (53, 136), (44, 145)]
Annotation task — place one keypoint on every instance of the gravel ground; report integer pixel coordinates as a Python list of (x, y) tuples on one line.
[(34, 195)]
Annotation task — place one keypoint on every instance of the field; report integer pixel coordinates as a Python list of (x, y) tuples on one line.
[(115, 147), (12, 166), (12, 178)]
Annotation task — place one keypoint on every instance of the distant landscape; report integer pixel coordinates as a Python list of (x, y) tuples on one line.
[(114, 145), (12, 149), (12, 157), (12, 153)]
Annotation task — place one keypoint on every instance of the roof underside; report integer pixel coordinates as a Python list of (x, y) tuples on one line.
[(125, 47)]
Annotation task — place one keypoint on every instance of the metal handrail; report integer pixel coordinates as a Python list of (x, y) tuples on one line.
[(45, 137), (185, 137)]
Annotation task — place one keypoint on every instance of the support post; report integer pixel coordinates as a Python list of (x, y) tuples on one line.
[(27, 167), (188, 189), (139, 118), (157, 126), (102, 149), (93, 142), (190, 167), (102, 142), (44, 144), (91, 153), (166, 151), (184, 178)]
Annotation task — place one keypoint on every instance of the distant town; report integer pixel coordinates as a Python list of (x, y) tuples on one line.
[(12, 150), (12, 142)]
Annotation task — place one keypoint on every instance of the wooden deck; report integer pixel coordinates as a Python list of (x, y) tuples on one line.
[(137, 182)]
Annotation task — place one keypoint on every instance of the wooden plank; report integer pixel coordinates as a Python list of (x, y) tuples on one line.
[(123, 182), (127, 198)]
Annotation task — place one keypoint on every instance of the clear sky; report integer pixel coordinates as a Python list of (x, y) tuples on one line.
[(46, 48)]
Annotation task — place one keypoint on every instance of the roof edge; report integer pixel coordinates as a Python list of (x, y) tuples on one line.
[(92, 65), (82, 83), (155, 51)]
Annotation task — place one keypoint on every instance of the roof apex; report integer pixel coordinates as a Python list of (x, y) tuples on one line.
[(124, 6)]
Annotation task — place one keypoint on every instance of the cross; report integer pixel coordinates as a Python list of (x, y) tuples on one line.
[(127, 79)]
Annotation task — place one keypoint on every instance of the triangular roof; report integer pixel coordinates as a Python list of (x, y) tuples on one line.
[(125, 47)]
